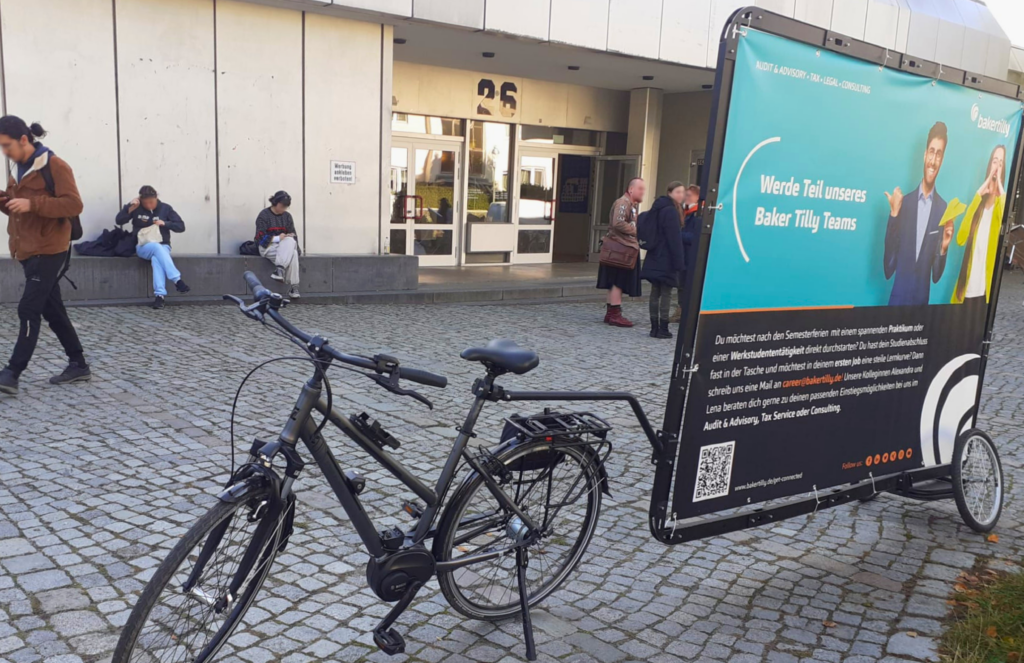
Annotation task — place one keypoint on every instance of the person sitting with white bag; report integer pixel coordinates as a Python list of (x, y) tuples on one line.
[(278, 241), (153, 221)]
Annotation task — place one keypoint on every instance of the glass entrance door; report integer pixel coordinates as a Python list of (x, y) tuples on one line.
[(425, 200), (536, 207), (612, 175)]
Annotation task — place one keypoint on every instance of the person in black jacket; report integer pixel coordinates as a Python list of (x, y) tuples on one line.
[(665, 259), (690, 231), (153, 221)]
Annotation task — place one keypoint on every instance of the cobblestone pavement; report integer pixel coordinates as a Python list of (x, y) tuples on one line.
[(98, 480)]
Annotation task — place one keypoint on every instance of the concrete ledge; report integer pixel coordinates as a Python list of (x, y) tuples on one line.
[(117, 280)]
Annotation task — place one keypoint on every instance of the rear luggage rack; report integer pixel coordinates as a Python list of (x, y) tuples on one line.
[(558, 425)]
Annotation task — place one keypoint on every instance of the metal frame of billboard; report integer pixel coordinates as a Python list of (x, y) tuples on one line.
[(662, 521)]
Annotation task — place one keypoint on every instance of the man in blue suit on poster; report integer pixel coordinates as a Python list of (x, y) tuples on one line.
[(915, 251)]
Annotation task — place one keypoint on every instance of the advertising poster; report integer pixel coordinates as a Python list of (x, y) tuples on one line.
[(848, 276)]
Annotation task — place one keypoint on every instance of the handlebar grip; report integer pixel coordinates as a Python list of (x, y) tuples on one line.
[(258, 291), (424, 377)]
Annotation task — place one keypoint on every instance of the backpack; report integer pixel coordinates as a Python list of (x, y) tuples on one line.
[(646, 230), (76, 223)]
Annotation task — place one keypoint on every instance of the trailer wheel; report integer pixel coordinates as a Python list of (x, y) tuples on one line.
[(977, 480)]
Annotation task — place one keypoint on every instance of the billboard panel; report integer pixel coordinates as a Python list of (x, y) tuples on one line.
[(848, 278)]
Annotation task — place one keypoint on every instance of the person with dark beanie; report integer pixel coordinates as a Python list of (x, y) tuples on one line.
[(39, 237), (665, 260), (153, 221)]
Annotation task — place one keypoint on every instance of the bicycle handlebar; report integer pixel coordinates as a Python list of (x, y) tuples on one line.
[(261, 294)]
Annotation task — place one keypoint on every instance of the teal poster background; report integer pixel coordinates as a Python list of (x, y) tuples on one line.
[(849, 124)]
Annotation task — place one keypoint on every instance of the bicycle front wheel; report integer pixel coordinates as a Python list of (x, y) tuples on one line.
[(186, 613), (558, 488)]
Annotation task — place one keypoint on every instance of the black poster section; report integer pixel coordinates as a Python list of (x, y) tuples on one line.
[(854, 436)]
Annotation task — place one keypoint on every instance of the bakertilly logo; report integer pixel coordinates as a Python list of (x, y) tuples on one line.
[(989, 123)]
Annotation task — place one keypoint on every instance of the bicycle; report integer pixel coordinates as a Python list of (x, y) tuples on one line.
[(513, 530)]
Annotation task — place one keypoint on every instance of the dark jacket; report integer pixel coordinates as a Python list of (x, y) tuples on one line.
[(269, 224), (143, 218), (44, 229), (665, 259), (691, 233), (913, 269)]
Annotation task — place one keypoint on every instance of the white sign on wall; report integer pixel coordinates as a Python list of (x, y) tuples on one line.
[(343, 172)]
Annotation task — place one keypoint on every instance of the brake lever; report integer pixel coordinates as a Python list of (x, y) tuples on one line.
[(390, 383), (251, 311)]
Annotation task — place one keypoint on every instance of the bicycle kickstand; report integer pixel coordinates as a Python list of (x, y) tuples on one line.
[(522, 561)]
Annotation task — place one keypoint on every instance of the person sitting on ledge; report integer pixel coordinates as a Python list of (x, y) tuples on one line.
[(278, 242), (152, 223)]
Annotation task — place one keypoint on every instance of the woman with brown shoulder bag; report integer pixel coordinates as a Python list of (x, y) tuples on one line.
[(619, 271)]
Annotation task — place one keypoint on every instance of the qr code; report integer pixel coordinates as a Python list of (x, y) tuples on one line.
[(714, 469)]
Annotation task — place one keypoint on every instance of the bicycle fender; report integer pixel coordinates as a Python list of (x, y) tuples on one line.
[(589, 450)]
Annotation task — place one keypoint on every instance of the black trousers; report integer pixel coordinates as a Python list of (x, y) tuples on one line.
[(41, 299), (660, 301)]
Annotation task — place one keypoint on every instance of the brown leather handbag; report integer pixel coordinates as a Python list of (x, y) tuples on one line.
[(616, 254)]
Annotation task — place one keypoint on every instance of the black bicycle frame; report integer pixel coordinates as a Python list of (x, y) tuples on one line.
[(301, 426)]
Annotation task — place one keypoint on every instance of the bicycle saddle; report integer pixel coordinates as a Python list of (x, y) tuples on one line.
[(504, 354)]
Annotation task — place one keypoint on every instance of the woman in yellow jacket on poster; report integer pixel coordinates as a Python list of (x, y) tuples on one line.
[(979, 232)]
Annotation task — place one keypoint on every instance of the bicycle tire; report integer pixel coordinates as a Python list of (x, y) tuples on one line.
[(127, 649), (454, 515), (971, 509)]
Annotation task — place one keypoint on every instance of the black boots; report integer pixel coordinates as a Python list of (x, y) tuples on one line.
[(659, 329)]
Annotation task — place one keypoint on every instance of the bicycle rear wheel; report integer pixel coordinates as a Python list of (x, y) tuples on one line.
[(184, 613), (560, 489)]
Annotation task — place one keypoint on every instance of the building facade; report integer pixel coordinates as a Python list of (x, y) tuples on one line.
[(462, 131)]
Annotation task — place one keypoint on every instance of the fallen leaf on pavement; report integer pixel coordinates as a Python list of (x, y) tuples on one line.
[(992, 538)]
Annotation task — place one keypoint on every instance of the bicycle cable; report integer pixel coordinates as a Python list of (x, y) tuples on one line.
[(311, 358)]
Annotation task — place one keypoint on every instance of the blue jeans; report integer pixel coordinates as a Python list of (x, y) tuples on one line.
[(159, 255)]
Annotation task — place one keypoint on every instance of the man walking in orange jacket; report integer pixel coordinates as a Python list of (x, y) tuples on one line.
[(39, 237)]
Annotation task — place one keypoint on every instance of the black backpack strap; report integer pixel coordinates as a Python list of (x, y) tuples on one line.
[(48, 179), (52, 189)]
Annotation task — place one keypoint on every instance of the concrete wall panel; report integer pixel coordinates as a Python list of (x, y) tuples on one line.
[(342, 56), (466, 13), (849, 17), (882, 23), (166, 95), (260, 114), (721, 10), (61, 74), (396, 7), (544, 103), (634, 27), (815, 12), (684, 31), (526, 18), (783, 7), (597, 109), (949, 44), (923, 37), (581, 22)]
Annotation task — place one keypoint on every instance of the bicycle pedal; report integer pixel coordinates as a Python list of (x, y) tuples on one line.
[(390, 641), (413, 508)]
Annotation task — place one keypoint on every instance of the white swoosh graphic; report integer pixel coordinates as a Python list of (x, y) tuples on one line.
[(736, 188), (931, 404)]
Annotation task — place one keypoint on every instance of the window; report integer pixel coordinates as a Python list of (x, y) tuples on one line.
[(426, 124), (489, 154)]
